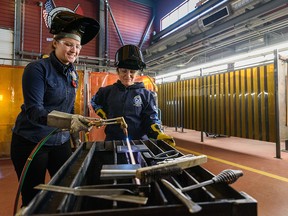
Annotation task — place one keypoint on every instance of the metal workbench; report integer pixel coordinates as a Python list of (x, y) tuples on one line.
[(84, 169)]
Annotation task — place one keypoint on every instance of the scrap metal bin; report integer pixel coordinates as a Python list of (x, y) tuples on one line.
[(84, 169)]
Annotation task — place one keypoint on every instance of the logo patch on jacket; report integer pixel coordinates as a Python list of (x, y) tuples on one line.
[(137, 101)]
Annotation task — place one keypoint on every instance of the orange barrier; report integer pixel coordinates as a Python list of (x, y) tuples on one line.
[(101, 79)]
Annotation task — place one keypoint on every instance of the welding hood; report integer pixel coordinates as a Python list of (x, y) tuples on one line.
[(130, 57), (65, 22)]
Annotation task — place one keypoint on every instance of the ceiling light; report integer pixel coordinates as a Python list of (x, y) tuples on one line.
[(262, 51)]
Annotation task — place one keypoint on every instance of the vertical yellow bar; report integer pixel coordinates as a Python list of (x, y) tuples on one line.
[(242, 98), (172, 104), (189, 83), (221, 104), (209, 104), (237, 105), (165, 103), (181, 105), (187, 111), (160, 100), (271, 102), (217, 105), (212, 107), (227, 103), (179, 102), (249, 104), (262, 103), (205, 111), (198, 101), (184, 102), (231, 104), (255, 93)]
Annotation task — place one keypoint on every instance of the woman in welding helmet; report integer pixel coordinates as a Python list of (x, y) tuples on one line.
[(49, 84), (129, 99)]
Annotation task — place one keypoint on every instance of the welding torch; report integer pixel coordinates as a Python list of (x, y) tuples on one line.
[(62, 120), (101, 122)]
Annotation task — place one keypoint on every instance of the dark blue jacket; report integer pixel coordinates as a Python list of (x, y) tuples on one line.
[(135, 103), (47, 85)]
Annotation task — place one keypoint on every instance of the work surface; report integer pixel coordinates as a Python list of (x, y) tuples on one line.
[(85, 169)]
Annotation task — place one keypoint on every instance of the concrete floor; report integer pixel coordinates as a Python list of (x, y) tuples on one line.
[(265, 177)]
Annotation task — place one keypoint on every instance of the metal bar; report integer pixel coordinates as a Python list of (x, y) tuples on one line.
[(115, 24), (116, 194), (192, 206), (146, 32), (202, 98), (40, 4), (277, 122)]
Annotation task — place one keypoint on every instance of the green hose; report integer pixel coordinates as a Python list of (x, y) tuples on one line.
[(27, 164)]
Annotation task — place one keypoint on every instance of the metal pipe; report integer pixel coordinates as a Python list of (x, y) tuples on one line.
[(22, 28), (106, 31), (40, 4), (277, 122), (202, 103), (146, 32), (115, 24)]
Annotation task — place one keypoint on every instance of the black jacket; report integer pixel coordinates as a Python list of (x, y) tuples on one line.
[(135, 103)]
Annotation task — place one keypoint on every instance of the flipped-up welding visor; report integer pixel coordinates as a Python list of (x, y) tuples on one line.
[(129, 57), (69, 24)]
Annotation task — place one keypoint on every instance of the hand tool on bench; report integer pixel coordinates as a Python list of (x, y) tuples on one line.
[(169, 167), (148, 174), (116, 194), (226, 176), (192, 206)]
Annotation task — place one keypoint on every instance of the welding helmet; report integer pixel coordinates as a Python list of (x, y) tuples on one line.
[(129, 57), (75, 26)]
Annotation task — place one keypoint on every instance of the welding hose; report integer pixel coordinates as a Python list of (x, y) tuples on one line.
[(27, 164)]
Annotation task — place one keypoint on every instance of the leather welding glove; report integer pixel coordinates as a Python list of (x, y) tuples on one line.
[(101, 113), (75, 140), (162, 136), (79, 123)]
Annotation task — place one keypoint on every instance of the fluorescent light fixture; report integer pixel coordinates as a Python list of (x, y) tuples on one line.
[(189, 75), (194, 18), (215, 69), (253, 61), (170, 79), (262, 51)]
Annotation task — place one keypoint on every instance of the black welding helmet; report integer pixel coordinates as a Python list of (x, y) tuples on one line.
[(129, 57), (69, 24)]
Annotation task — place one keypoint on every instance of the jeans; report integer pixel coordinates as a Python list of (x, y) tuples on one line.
[(49, 158)]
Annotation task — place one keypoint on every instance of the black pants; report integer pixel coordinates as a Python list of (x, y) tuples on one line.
[(49, 158)]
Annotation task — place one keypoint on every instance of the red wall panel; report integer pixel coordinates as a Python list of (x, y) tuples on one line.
[(7, 14), (132, 20)]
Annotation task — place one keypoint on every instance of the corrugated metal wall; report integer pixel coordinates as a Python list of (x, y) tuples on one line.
[(239, 103), (35, 37), (131, 30), (7, 14)]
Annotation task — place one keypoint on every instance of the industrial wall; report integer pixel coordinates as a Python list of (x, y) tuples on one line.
[(126, 20), (132, 20), (239, 103)]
